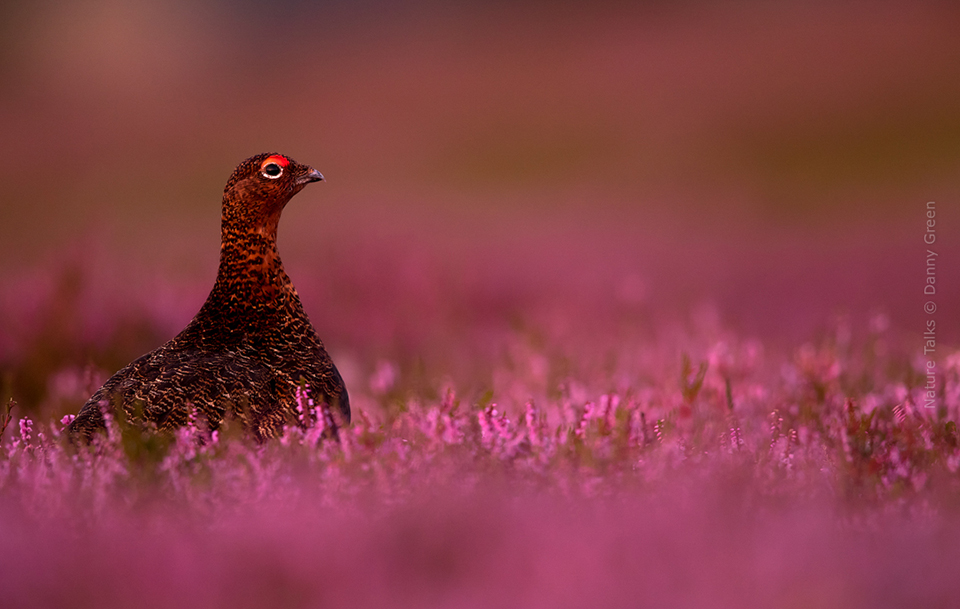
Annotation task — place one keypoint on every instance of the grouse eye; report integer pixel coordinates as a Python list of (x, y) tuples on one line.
[(271, 170)]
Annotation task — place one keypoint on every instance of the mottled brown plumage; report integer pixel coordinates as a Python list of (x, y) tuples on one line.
[(251, 345)]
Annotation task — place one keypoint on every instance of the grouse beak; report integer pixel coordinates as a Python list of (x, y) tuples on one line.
[(311, 176)]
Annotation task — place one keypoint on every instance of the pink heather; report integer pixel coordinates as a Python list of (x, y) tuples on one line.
[(415, 481), (26, 431)]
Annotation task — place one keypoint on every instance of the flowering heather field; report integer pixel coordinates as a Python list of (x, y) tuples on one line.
[(584, 451), (629, 303)]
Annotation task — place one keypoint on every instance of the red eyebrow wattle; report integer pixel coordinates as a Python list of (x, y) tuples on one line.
[(279, 160)]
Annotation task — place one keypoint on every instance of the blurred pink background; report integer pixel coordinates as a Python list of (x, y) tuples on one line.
[(489, 167)]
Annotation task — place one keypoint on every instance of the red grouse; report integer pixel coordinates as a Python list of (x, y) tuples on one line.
[(251, 346)]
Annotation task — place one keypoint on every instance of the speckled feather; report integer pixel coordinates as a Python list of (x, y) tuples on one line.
[(251, 345)]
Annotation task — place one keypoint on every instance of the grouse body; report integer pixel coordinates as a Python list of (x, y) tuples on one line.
[(251, 347)]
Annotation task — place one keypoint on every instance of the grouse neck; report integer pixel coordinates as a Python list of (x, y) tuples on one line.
[(251, 273)]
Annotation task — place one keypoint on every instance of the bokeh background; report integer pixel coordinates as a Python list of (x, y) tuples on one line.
[(578, 174)]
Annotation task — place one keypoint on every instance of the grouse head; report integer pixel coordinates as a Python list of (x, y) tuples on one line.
[(259, 189)]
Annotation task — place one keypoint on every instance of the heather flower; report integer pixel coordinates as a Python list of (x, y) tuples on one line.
[(819, 366), (384, 377), (26, 431), (534, 424), (879, 323)]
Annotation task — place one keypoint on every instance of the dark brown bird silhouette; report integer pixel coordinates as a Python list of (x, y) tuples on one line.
[(251, 346)]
